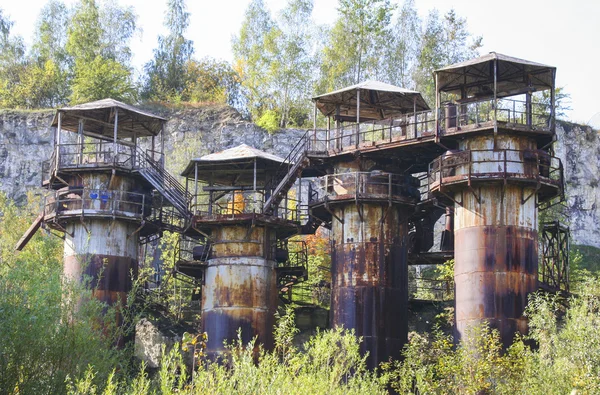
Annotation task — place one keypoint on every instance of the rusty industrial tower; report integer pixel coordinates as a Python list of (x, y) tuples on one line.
[(238, 251), (497, 178), (382, 173), (109, 193)]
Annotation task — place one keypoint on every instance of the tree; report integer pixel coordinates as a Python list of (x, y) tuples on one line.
[(293, 61), (102, 78), (12, 62), (400, 55), (250, 57), (166, 76), (354, 44), (443, 42), (100, 53), (210, 80), (275, 61)]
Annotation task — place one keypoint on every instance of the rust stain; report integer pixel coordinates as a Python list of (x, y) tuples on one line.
[(370, 278)]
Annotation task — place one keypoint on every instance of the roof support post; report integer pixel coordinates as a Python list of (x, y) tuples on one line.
[(152, 151), (134, 152), (495, 100), (437, 110), (115, 136), (58, 130), (162, 145), (357, 116), (314, 128), (415, 114), (80, 141), (196, 184), (254, 186), (553, 103)]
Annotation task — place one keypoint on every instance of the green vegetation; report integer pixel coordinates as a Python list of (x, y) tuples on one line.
[(82, 53)]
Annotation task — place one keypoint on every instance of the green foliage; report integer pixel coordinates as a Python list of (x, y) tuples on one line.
[(354, 44), (269, 120), (48, 326), (444, 41), (209, 80), (274, 60), (102, 78), (166, 74), (12, 63)]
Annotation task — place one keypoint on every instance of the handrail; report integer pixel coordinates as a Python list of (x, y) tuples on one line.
[(131, 204), (535, 165), (364, 184), (512, 111)]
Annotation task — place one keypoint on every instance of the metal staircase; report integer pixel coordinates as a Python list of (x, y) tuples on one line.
[(287, 174), (164, 182)]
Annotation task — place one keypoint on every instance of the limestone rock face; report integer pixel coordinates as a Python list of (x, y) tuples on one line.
[(579, 149), (26, 140)]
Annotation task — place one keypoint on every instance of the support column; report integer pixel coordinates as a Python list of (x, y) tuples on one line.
[(496, 249), (370, 269), (240, 289)]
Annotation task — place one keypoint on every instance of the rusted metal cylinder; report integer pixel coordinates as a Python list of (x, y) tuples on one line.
[(240, 289), (370, 277), (99, 252), (496, 252)]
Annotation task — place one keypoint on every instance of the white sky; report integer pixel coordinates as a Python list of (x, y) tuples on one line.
[(565, 34)]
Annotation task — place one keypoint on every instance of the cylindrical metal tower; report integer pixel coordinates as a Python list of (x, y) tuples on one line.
[(239, 262), (495, 232), (240, 287), (369, 233), (105, 193), (496, 180)]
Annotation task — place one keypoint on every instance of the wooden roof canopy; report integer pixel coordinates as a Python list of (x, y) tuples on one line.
[(99, 118), (475, 77), (233, 166), (378, 101)]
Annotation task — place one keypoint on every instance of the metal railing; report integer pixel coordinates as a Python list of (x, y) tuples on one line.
[(78, 201), (360, 185), (511, 111), (231, 203), (507, 164), (408, 127), (430, 289)]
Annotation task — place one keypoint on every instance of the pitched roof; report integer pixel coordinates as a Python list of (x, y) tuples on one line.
[(243, 151), (99, 118), (234, 166), (379, 101), (512, 74)]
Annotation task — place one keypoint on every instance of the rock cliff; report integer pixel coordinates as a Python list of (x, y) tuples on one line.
[(26, 140)]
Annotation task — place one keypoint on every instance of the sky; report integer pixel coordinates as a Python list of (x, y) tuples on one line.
[(564, 34)]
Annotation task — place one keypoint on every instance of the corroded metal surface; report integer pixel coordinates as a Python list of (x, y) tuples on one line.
[(370, 277), (496, 251), (495, 270), (240, 290), (100, 255)]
